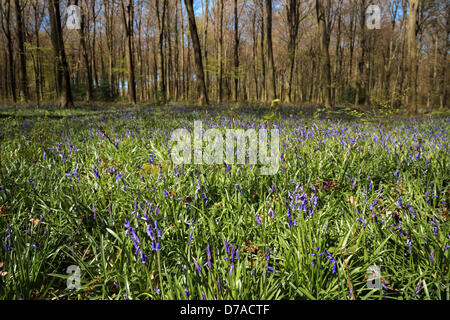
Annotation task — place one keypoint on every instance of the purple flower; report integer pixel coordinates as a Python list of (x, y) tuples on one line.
[(271, 269), (418, 288), (332, 259), (198, 267), (158, 231), (399, 202), (150, 232), (186, 293), (258, 220), (208, 259), (435, 226), (218, 284), (190, 235), (156, 247), (409, 243), (127, 225)]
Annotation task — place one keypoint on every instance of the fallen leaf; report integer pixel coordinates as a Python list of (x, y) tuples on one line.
[(35, 221)]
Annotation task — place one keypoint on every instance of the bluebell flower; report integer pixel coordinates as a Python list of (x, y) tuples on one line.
[(409, 243), (208, 258), (150, 232), (399, 202), (258, 220), (190, 235), (198, 266), (418, 288)]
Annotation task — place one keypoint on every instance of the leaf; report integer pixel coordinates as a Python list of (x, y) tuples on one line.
[(35, 221)]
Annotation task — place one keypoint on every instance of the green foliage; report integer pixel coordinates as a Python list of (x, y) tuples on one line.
[(73, 178)]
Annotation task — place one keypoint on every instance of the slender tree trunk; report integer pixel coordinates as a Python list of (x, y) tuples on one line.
[(262, 51), (255, 48), (236, 52), (6, 27), (293, 17), (177, 55), (272, 90), (220, 52), (161, 73), (200, 76), (89, 88), (128, 18), (412, 55), (205, 40), (324, 53), (37, 57), (63, 73), (22, 56)]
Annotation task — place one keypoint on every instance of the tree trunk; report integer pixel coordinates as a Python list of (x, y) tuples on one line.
[(293, 18), (22, 56), (128, 18), (200, 76), (220, 52), (272, 91), (161, 73), (84, 50), (6, 26), (412, 55), (63, 73), (236, 52), (205, 40), (255, 45), (324, 53), (263, 57)]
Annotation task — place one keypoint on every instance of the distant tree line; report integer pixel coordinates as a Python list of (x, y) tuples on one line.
[(215, 51)]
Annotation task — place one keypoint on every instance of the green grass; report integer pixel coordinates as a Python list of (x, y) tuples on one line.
[(82, 174)]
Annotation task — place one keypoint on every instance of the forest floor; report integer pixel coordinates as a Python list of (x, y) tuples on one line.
[(95, 188)]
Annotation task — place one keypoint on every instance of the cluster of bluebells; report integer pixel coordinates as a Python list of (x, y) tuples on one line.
[(151, 227), (136, 241), (232, 253), (301, 202), (331, 259), (268, 267), (360, 218)]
